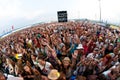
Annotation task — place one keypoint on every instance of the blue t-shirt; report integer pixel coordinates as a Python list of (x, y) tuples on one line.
[(74, 48)]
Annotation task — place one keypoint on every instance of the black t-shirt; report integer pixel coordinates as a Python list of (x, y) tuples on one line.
[(88, 72), (119, 60), (108, 51)]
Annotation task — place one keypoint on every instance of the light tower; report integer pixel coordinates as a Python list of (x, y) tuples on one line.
[(99, 10)]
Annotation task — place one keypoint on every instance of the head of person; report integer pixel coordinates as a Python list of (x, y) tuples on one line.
[(33, 57), (81, 78), (84, 42), (115, 72), (63, 48), (27, 68), (66, 62), (59, 40), (41, 61), (75, 52), (118, 44), (110, 56), (2, 77), (80, 48), (96, 51), (107, 59), (111, 46)]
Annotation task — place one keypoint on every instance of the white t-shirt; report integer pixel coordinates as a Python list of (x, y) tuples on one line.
[(46, 69), (109, 70), (91, 55), (11, 69)]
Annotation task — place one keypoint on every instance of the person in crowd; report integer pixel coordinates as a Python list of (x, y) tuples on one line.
[(67, 68), (109, 49), (2, 77), (28, 73), (45, 66), (10, 66), (79, 50), (94, 54)]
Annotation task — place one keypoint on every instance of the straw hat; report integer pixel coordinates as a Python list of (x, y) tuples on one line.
[(100, 38), (54, 74)]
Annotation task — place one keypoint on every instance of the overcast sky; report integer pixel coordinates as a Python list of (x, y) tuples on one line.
[(20, 13)]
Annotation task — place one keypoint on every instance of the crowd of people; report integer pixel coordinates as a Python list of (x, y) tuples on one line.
[(80, 50)]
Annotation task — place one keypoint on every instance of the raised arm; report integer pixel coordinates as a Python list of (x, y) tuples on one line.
[(52, 52)]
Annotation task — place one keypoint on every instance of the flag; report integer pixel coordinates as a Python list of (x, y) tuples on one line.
[(18, 56)]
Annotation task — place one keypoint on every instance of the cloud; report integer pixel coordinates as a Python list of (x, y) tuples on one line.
[(22, 12), (34, 14), (9, 8), (17, 9)]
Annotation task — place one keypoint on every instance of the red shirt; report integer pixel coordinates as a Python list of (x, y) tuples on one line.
[(91, 47), (85, 49)]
